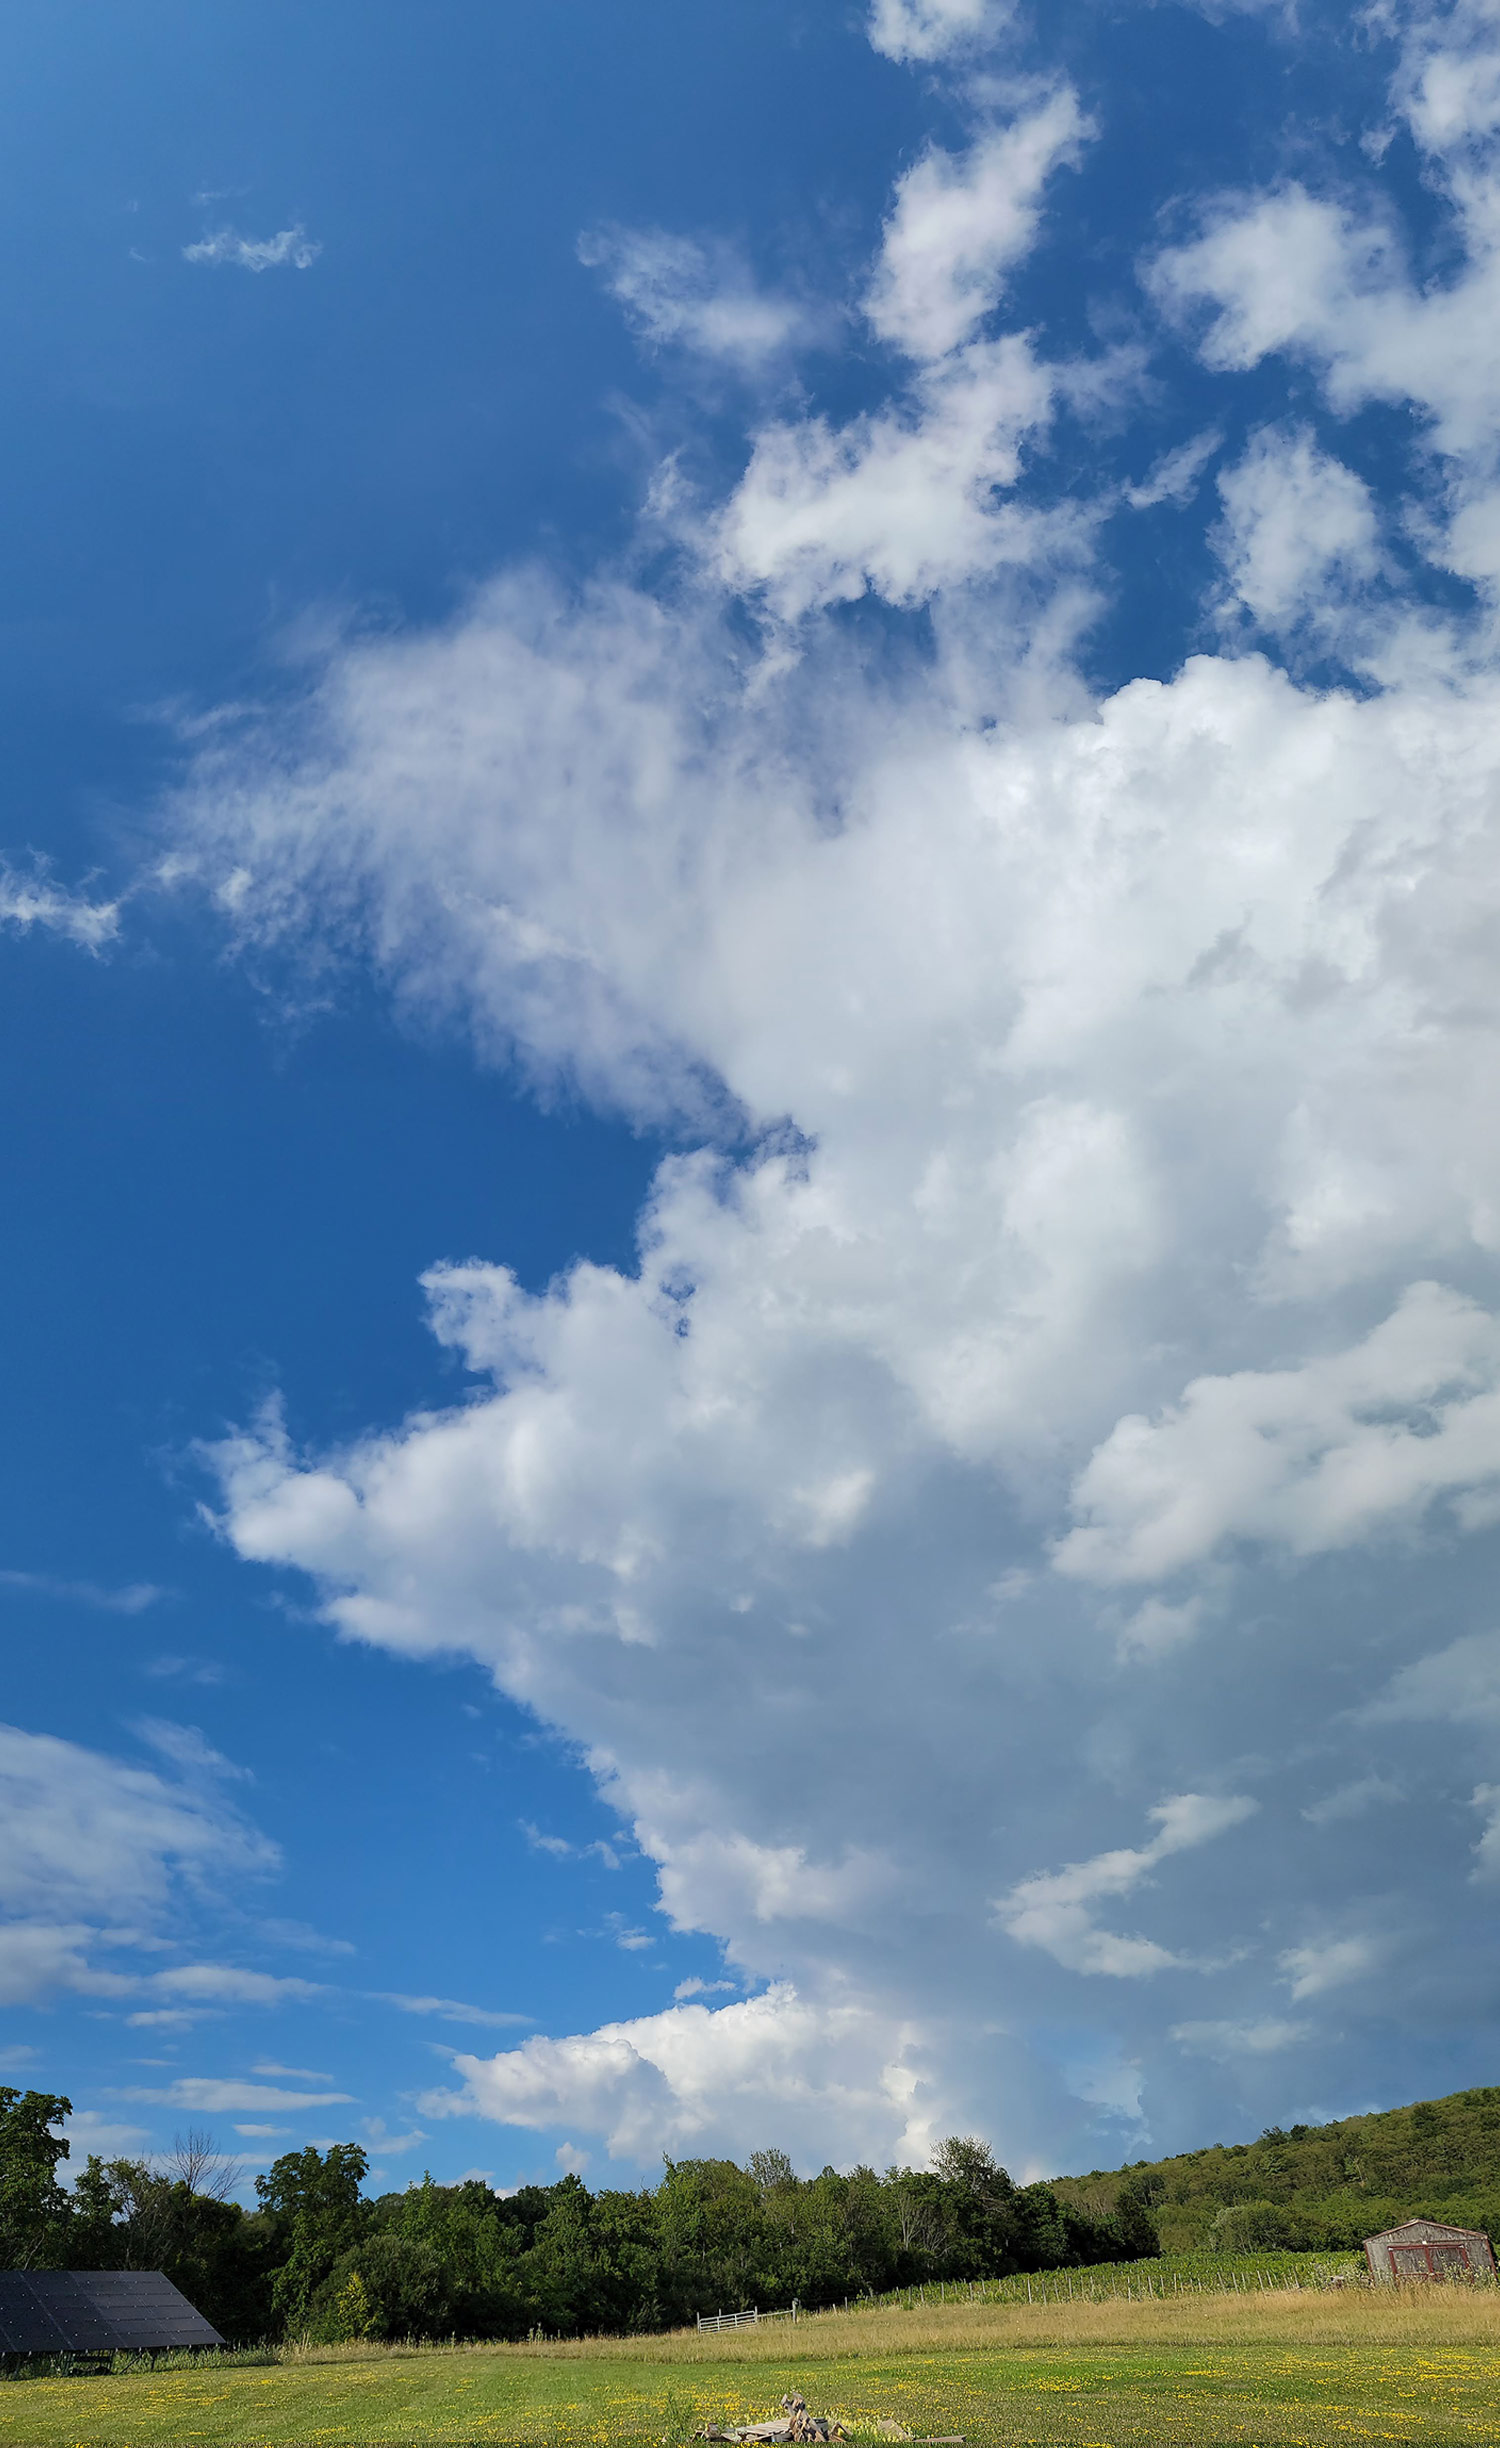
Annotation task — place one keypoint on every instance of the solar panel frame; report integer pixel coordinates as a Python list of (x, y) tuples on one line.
[(97, 2312)]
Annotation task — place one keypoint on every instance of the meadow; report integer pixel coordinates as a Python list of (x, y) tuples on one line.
[(1295, 2368)]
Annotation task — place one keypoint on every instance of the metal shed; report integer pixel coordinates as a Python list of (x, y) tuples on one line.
[(45, 2312), (1426, 2248)]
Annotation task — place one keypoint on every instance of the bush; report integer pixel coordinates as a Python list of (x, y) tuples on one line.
[(1256, 2226)]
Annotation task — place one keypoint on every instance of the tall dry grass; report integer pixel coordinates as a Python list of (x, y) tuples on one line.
[(1414, 2317)]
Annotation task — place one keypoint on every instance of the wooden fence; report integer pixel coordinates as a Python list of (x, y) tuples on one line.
[(745, 2320)]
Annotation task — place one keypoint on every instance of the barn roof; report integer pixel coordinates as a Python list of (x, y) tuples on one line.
[(96, 2312), (1423, 2227)]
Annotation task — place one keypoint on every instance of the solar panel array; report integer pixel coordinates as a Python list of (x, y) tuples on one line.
[(97, 2312)]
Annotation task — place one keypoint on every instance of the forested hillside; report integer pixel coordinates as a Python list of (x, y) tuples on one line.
[(1317, 2185)]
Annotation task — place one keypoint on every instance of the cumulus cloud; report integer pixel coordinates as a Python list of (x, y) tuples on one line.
[(1329, 281), (1081, 1182), (1315, 1457), (929, 29), (290, 247), (825, 2076), (1299, 531), (900, 503), (958, 224), (907, 500)]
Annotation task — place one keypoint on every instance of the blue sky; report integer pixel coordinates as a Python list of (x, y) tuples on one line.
[(751, 1205)]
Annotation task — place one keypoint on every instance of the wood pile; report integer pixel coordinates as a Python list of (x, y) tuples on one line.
[(794, 2424)]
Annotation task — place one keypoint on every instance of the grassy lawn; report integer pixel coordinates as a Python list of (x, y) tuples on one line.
[(1254, 2372)]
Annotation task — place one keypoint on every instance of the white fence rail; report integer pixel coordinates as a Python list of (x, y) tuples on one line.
[(745, 2320)]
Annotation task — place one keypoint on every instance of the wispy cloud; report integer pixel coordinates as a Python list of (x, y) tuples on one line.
[(1262, 2036), (207, 1671), (306, 1940), (446, 2010), (1310, 1970), (1053, 1910), (561, 1850), (291, 247), (389, 2144), (702, 297), (131, 1599), (33, 900), (1351, 1801), (188, 1749), (211, 2097)]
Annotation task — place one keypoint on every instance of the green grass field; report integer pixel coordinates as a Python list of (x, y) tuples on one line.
[(1258, 2371)]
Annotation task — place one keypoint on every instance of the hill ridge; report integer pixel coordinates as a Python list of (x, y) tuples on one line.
[(1316, 2187)]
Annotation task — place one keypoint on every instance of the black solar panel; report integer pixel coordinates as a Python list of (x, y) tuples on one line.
[(96, 2312)]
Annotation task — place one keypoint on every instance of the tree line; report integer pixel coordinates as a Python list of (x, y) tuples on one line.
[(318, 2257)]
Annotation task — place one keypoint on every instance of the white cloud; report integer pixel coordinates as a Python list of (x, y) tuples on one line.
[(447, 2010), (209, 2096), (132, 1599), (1053, 1909), (1316, 1457), (1265, 2036), (1177, 474), (306, 1940), (90, 1837), (1351, 1801), (1093, 1091), (929, 29), (228, 1984), (38, 1956), (1116, 1075), (823, 2077), (901, 503), (33, 900), (1329, 281), (94, 1853), (1460, 1682), (958, 224), (188, 1749), (1298, 527), (1486, 1798), (907, 500), (1310, 1970), (561, 1850), (380, 2138), (88, 2129), (290, 247), (681, 293)]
